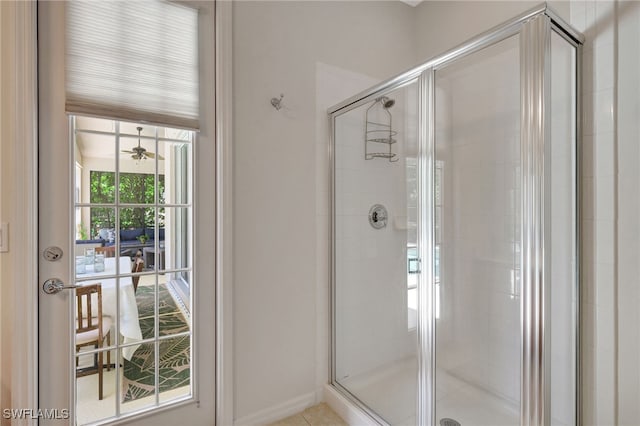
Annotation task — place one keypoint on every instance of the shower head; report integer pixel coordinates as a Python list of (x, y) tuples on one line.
[(386, 102)]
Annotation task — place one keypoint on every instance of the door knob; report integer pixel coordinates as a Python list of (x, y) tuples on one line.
[(55, 285)]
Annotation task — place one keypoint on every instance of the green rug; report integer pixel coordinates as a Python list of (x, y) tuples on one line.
[(174, 369)]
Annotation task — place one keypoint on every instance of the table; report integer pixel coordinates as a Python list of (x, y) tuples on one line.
[(151, 250), (129, 322)]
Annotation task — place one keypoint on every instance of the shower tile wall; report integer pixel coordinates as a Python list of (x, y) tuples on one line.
[(478, 333), (598, 21), (371, 264)]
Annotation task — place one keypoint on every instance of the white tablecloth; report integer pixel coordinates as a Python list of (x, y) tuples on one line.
[(129, 323)]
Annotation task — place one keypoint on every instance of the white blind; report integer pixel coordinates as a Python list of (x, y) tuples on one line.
[(133, 60)]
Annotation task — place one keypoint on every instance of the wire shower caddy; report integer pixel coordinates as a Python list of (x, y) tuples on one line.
[(380, 132)]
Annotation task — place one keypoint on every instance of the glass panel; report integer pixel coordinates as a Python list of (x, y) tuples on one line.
[(176, 165), (146, 303), (138, 381), (174, 377), (95, 124), (136, 230), (120, 248), (174, 248), (139, 188), (129, 129), (95, 159), (376, 253), (90, 407), (174, 295), (477, 251), (95, 236), (562, 235), (137, 171)]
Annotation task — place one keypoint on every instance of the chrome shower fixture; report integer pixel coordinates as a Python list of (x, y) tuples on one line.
[(386, 102)]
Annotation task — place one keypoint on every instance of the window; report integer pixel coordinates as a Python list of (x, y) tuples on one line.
[(136, 188), (135, 201)]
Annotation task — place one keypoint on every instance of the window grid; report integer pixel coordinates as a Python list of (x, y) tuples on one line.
[(184, 269)]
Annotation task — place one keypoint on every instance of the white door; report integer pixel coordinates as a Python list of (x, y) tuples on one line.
[(143, 229)]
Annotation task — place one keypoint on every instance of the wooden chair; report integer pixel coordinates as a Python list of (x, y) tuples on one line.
[(92, 329), (109, 251), (137, 267)]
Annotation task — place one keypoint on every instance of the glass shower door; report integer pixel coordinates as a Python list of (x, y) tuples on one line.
[(477, 237), (376, 265), (455, 237)]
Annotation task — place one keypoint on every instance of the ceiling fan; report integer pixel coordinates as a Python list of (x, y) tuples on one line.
[(139, 152)]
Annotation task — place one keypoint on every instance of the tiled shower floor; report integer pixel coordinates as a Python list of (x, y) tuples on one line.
[(392, 394)]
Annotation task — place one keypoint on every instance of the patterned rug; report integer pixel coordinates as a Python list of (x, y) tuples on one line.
[(174, 371)]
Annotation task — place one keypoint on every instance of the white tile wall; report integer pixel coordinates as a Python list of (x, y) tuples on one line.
[(598, 21), (478, 333), (371, 287)]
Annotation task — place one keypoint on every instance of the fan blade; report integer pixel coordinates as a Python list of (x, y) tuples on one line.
[(152, 155), (128, 152)]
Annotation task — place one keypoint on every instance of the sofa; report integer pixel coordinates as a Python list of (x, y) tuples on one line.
[(129, 240)]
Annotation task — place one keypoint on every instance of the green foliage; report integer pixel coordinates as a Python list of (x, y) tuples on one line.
[(83, 232), (134, 188)]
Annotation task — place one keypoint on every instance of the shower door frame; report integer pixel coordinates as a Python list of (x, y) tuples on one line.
[(534, 406)]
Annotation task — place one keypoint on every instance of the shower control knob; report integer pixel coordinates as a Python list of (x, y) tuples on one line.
[(378, 216)]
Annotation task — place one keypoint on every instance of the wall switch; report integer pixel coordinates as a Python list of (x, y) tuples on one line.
[(4, 237)]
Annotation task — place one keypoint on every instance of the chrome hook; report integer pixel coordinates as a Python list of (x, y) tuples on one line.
[(277, 103)]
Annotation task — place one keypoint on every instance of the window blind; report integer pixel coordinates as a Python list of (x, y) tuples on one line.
[(133, 60)]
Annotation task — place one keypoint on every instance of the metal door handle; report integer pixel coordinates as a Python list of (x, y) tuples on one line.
[(55, 285)]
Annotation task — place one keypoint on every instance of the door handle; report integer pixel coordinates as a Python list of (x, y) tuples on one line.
[(55, 285)]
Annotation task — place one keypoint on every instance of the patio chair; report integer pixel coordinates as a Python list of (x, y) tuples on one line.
[(137, 267), (92, 329)]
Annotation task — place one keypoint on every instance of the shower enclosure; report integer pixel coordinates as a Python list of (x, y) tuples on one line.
[(454, 234)]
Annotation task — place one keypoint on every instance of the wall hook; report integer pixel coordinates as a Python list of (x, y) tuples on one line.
[(277, 103)]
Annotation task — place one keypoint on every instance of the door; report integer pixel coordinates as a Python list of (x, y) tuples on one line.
[(376, 253), (127, 206), (477, 368)]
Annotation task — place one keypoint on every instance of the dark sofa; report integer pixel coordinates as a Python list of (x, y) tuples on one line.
[(129, 241)]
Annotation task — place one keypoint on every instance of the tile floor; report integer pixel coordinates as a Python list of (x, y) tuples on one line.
[(391, 392), (318, 415)]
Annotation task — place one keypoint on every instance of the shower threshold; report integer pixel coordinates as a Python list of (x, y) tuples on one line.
[(391, 392)]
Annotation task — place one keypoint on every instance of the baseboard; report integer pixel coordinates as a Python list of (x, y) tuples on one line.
[(345, 409), (278, 412)]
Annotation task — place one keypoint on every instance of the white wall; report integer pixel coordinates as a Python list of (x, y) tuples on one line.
[(442, 25), (628, 207), (281, 181), (611, 227), (281, 176)]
